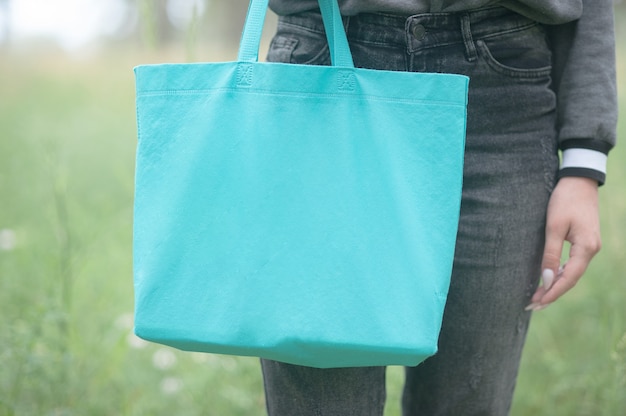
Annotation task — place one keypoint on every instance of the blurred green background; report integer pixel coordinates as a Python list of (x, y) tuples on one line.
[(67, 143)]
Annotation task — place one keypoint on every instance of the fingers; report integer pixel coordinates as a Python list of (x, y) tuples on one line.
[(554, 286), (572, 216), (556, 235), (548, 279), (566, 280), (552, 251)]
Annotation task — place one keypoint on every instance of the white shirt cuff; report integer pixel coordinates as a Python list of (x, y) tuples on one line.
[(584, 158)]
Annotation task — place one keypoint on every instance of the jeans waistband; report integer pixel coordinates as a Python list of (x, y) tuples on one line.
[(421, 30)]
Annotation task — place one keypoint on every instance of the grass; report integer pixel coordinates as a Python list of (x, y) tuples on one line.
[(66, 183), (67, 138)]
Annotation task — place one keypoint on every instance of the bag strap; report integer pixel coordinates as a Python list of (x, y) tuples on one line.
[(335, 34)]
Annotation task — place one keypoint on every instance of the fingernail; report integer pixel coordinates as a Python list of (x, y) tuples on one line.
[(535, 307), (548, 278), (531, 307)]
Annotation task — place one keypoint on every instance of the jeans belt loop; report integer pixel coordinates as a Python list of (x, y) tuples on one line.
[(466, 31)]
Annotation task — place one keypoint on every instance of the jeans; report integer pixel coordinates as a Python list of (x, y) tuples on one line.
[(510, 168)]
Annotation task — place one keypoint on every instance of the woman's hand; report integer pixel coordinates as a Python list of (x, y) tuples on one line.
[(572, 216)]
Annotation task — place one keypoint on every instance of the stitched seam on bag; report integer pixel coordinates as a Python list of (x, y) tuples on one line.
[(244, 74), (138, 118), (346, 81), (299, 94)]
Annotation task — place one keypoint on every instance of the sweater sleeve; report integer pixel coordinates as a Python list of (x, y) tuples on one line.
[(585, 83)]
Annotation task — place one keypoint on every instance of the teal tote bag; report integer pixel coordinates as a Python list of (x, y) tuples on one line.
[(305, 214)]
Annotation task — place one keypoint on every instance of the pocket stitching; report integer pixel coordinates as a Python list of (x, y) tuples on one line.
[(321, 58), (509, 70)]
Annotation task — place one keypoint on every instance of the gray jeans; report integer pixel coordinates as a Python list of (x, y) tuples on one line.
[(510, 167)]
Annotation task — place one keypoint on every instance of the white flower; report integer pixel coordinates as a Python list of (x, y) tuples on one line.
[(124, 321), (163, 359), (7, 239), (135, 342), (171, 385)]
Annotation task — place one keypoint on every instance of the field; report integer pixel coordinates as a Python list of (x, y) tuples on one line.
[(67, 142)]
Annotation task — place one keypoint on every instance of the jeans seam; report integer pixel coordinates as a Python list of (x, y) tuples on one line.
[(498, 244), (322, 57), (305, 28), (516, 73), (549, 174), (505, 32), (470, 47)]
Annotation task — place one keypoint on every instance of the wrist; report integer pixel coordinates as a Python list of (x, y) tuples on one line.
[(579, 182), (585, 158)]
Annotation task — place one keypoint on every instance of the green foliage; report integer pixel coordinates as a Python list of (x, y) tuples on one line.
[(67, 138), (66, 181)]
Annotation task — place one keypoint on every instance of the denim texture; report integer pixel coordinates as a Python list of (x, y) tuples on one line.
[(510, 168)]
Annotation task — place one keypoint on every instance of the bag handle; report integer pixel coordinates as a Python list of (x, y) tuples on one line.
[(335, 34)]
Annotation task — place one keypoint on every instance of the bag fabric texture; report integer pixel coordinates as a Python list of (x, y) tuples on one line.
[(305, 214)]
